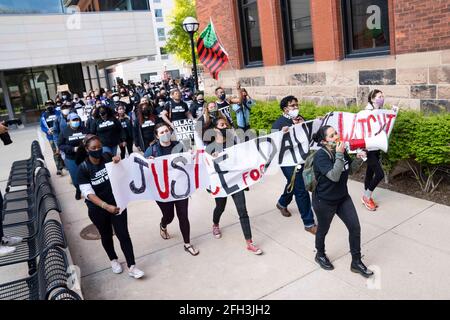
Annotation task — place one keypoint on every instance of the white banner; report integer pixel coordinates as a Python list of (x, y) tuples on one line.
[(177, 176)]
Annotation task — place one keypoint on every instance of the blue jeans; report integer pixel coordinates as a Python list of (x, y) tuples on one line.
[(73, 171), (301, 196), (112, 150)]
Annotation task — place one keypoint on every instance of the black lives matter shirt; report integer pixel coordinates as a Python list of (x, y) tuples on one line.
[(176, 110), (97, 176)]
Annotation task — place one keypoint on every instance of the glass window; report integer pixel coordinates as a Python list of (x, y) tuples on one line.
[(161, 34), (159, 15), (60, 6), (367, 26), (30, 6), (297, 29), (251, 38)]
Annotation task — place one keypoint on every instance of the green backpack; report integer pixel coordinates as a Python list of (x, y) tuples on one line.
[(308, 170)]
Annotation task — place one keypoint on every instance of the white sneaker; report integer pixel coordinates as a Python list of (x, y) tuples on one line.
[(11, 241), (5, 250), (134, 272), (116, 267)]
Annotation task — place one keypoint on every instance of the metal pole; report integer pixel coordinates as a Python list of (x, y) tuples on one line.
[(4, 86), (194, 61)]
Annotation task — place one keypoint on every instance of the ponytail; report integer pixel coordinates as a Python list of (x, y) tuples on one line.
[(320, 135)]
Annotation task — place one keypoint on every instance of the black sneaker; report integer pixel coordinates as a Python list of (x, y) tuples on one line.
[(324, 262), (59, 172), (358, 266), (78, 195)]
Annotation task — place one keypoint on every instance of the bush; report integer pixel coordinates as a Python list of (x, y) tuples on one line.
[(422, 140)]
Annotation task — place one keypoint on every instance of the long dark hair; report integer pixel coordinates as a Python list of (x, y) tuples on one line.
[(321, 134), (140, 113)]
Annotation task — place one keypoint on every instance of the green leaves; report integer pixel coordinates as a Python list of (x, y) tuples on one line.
[(178, 42)]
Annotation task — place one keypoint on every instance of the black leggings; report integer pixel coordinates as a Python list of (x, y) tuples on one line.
[(239, 201), (105, 221), (168, 211), (129, 148), (346, 211), (374, 173)]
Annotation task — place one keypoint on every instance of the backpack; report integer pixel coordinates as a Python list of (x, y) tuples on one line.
[(309, 178)]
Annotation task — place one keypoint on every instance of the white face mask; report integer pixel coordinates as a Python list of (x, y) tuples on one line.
[(65, 112), (116, 99), (293, 113)]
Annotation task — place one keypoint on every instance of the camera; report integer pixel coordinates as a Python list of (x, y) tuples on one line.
[(5, 136)]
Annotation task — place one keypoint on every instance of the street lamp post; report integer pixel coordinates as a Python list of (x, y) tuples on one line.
[(190, 25)]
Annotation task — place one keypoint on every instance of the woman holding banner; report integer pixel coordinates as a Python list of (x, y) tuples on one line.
[(103, 212), (374, 172), (221, 127), (164, 146), (332, 166)]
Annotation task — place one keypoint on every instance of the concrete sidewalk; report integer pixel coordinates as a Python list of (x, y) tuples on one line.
[(406, 242)]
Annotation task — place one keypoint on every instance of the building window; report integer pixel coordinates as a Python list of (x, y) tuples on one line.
[(59, 6), (297, 30), (251, 37), (164, 55), (159, 15), (367, 27), (161, 34)]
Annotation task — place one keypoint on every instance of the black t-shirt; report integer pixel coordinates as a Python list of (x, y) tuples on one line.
[(109, 131), (196, 109), (97, 177), (224, 107), (126, 126), (50, 119), (326, 189), (176, 110), (69, 139), (148, 131)]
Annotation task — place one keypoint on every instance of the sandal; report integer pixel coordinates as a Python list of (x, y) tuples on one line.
[(191, 250), (163, 232)]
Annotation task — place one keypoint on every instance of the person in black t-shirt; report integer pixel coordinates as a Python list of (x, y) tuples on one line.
[(290, 117), (223, 132), (197, 106), (161, 147), (332, 165), (128, 128), (144, 126), (109, 130), (175, 109), (69, 141), (102, 208), (223, 104)]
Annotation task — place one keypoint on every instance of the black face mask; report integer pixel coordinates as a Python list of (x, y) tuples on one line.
[(222, 96), (223, 132), (50, 109), (96, 154), (103, 114)]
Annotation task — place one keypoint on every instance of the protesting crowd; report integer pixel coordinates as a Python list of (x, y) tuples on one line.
[(107, 125)]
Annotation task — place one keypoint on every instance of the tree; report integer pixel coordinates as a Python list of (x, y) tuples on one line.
[(178, 41)]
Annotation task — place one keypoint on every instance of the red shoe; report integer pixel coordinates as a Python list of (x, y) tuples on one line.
[(369, 205), (374, 203), (254, 249)]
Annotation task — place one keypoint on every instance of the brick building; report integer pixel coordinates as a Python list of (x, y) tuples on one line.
[(333, 52)]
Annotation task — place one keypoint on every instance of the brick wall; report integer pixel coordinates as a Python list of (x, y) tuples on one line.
[(421, 25), (225, 19)]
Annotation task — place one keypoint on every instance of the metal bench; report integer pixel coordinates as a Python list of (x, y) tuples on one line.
[(64, 294), (51, 234), (51, 275)]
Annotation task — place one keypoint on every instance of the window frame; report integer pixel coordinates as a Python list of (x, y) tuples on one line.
[(347, 28), (288, 35), (244, 42)]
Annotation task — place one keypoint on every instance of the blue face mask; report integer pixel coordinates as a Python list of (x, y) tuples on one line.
[(75, 124)]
